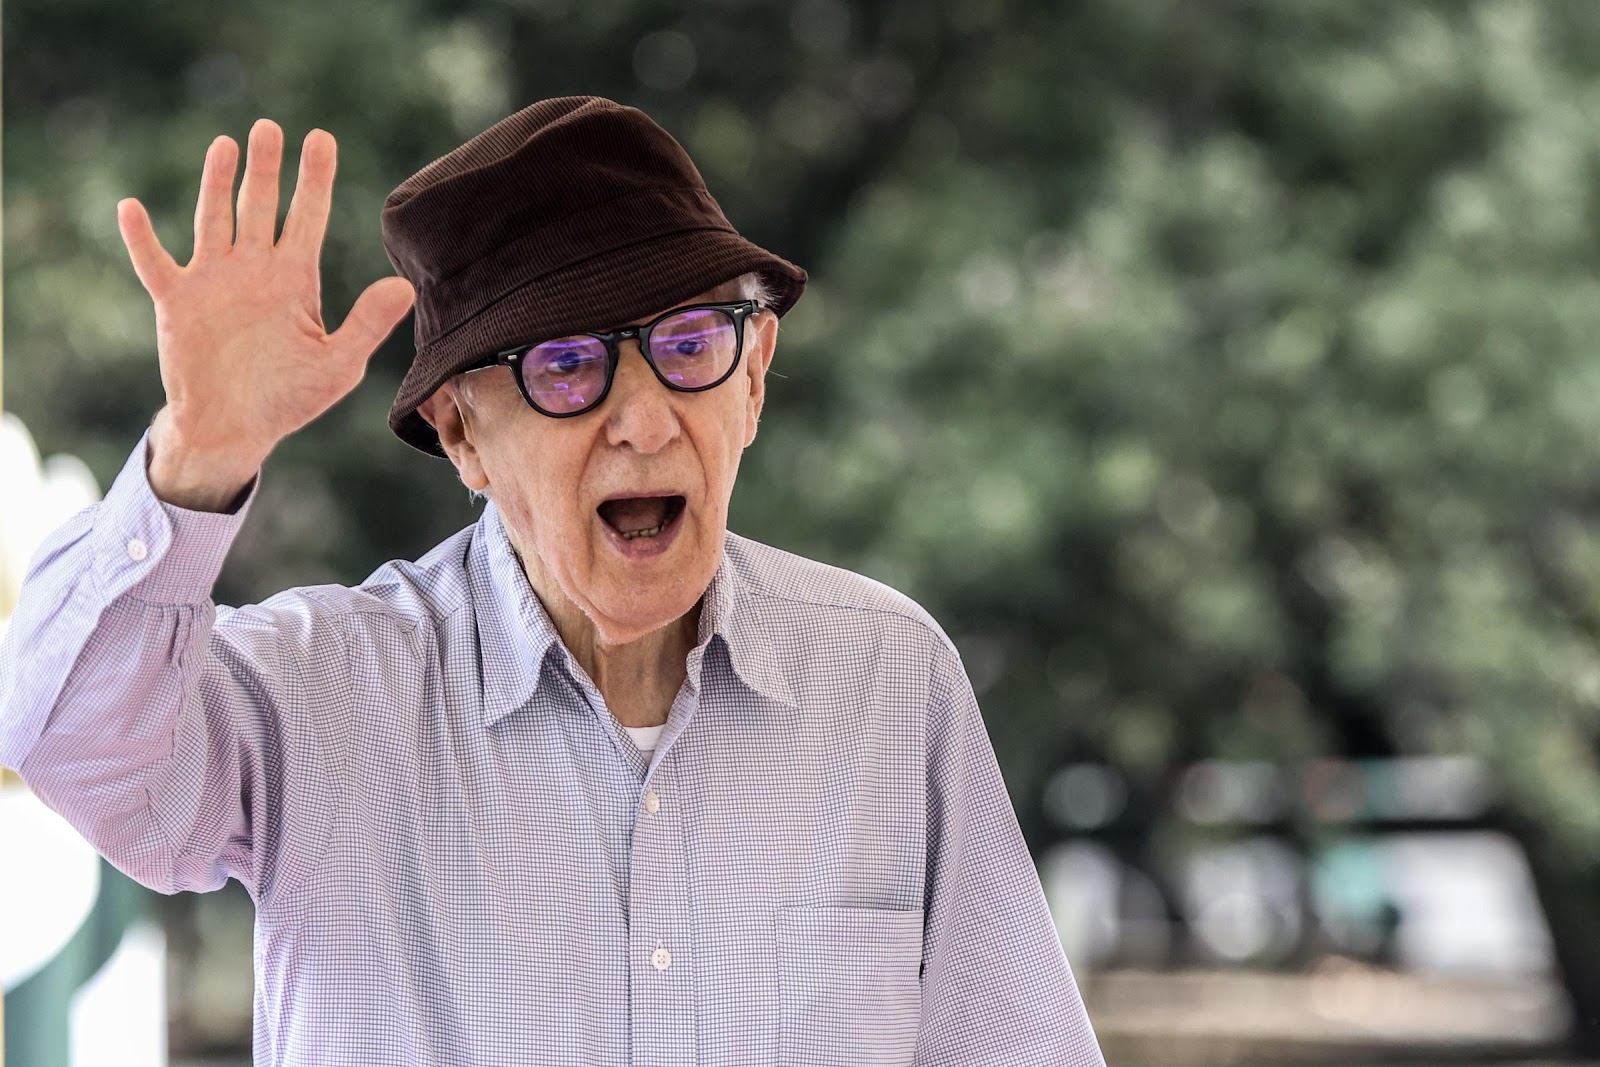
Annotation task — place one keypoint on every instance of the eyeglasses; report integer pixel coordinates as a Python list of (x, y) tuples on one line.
[(690, 349)]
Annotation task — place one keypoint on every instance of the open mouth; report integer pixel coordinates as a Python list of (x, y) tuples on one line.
[(641, 516)]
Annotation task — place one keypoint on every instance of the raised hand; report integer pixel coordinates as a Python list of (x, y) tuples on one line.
[(245, 358)]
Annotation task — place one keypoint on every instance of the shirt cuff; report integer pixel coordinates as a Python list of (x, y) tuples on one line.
[(157, 551)]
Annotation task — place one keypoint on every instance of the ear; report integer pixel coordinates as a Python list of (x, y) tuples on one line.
[(447, 412), (758, 359)]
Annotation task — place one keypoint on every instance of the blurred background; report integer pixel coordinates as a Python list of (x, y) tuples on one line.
[(1223, 377)]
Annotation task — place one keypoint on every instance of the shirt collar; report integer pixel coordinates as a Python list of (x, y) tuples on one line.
[(726, 613), (516, 636)]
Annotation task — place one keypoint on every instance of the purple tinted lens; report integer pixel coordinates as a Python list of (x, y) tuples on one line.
[(694, 349), (565, 375)]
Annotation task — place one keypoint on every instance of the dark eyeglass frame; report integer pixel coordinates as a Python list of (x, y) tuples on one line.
[(739, 311)]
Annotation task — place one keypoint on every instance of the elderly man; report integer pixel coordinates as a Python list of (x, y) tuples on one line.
[(593, 781)]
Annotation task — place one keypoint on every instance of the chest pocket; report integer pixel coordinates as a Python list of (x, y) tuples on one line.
[(849, 986)]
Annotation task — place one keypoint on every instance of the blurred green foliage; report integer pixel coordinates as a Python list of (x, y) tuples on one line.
[(1223, 376)]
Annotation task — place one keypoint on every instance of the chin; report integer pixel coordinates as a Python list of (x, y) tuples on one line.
[(629, 619), (635, 605)]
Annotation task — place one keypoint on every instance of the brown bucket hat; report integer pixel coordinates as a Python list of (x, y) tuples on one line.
[(573, 214)]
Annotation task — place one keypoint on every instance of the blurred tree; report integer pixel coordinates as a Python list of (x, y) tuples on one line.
[(1222, 376)]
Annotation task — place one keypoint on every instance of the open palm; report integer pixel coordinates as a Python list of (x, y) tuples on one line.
[(245, 358)]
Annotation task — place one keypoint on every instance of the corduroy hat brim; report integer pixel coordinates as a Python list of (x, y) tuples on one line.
[(606, 290)]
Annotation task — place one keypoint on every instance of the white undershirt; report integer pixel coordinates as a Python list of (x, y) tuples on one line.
[(645, 736)]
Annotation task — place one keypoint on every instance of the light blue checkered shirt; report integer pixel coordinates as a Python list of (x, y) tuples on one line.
[(457, 854)]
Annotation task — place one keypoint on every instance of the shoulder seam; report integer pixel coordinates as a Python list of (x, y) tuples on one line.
[(381, 609), (907, 616)]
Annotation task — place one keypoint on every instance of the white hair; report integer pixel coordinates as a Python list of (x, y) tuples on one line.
[(751, 286)]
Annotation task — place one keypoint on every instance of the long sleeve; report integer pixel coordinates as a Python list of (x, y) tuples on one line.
[(996, 987), (173, 747)]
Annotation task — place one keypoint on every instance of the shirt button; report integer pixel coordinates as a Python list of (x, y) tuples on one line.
[(652, 803), (661, 958), (137, 549)]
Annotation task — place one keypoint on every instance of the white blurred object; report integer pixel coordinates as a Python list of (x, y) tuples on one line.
[(38, 914), (1080, 880), (1243, 899), (120, 1015), (1085, 796), (35, 498), (1467, 904), (48, 892)]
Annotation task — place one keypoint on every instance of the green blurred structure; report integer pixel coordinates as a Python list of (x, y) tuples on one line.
[(39, 1011), (1223, 376)]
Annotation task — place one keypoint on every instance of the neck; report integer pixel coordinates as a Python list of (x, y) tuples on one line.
[(637, 679)]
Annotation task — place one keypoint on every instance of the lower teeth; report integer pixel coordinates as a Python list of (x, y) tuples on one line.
[(651, 532)]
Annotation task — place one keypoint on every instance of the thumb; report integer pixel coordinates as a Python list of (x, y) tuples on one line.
[(374, 316)]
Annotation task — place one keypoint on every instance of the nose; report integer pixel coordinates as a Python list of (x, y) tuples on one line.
[(639, 411)]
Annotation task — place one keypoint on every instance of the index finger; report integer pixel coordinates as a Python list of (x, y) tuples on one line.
[(307, 220), (213, 211)]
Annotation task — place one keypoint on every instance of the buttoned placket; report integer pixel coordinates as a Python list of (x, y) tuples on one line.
[(663, 1029), (661, 975)]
